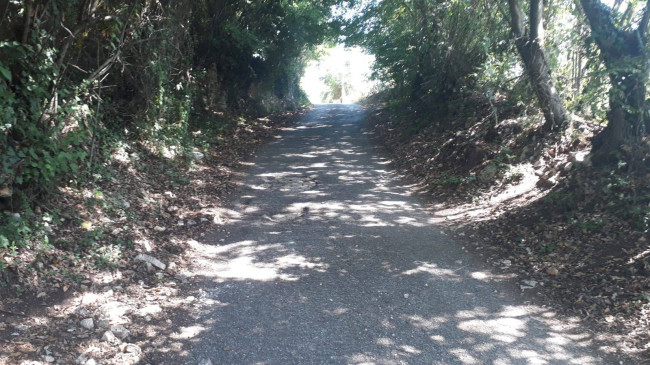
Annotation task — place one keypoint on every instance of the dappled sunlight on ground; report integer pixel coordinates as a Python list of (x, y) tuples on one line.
[(323, 257), (330, 257), (488, 205), (326, 257), (243, 261)]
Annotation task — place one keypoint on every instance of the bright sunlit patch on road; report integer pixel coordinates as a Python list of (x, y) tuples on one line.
[(341, 75)]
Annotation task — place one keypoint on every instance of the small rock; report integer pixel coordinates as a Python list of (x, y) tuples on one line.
[(120, 332), (180, 223), (150, 259), (196, 155), (109, 336), (146, 245), (49, 358), (103, 323), (172, 268), (159, 229), (148, 310), (506, 264), (91, 362), (87, 323), (205, 362), (488, 173), (568, 166), (406, 296), (133, 349), (191, 222), (21, 327), (552, 271), (528, 284)]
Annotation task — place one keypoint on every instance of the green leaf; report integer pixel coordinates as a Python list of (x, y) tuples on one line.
[(4, 242), (5, 73)]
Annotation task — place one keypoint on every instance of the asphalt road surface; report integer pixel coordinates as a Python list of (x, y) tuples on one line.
[(334, 261)]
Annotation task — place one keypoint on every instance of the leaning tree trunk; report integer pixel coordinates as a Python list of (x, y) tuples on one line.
[(530, 48), (624, 55)]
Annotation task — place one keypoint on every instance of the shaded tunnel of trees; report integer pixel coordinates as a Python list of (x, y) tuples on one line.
[(78, 77)]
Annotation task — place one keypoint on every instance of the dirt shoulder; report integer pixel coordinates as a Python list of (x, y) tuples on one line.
[(111, 282), (539, 213)]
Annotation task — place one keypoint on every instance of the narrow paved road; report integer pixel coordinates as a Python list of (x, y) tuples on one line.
[(334, 262)]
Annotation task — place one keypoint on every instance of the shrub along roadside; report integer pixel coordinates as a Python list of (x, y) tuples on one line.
[(146, 197), (80, 80)]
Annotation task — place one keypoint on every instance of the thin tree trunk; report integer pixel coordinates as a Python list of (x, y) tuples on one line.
[(28, 16), (533, 56)]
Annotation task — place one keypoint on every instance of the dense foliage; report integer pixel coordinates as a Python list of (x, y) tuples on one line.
[(79, 76), (430, 53)]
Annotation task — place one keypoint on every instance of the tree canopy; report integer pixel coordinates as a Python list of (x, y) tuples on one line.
[(74, 71), (572, 53), (78, 74)]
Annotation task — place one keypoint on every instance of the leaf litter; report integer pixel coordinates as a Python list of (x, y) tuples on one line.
[(568, 233), (112, 283)]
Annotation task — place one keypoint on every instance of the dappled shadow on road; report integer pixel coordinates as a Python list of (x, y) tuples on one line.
[(330, 260)]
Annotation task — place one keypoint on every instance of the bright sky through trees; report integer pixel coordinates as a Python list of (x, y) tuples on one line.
[(351, 66)]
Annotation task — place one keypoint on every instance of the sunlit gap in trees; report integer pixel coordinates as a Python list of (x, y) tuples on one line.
[(340, 75)]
